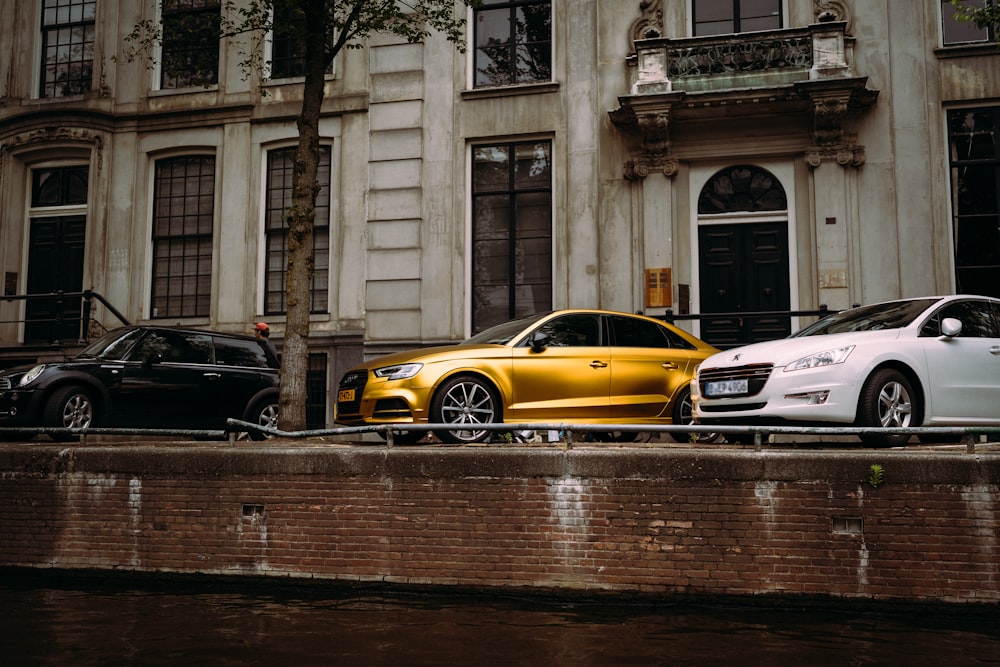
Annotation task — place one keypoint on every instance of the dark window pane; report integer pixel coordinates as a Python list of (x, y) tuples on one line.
[(511, 232), (183, 225), (959, 32), (190, 54), (742, 188), (975, 182), (63, 186), (719, 17), (316, 388), (513, 42), (68, 31), (280, 169)]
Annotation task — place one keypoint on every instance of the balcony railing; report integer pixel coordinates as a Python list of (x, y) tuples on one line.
[(745, 60)]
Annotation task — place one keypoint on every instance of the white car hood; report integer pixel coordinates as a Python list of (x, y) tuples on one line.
[(784, 351)]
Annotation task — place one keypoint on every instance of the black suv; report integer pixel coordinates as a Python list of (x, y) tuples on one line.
[(147, 377)]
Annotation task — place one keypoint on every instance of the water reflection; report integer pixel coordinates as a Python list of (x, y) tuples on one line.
[(88, 623)]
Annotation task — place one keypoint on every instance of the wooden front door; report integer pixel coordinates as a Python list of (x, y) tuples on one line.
[(55, 263), (744, 269)]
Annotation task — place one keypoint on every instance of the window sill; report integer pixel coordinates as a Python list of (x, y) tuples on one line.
[(507, 91), (966, 50)]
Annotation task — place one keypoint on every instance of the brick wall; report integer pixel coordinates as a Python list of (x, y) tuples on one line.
[(658, 521)]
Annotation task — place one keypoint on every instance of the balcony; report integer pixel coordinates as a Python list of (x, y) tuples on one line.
[(798, 74)]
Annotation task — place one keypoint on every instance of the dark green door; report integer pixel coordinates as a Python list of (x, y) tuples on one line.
[(55, 264), (744, 269)]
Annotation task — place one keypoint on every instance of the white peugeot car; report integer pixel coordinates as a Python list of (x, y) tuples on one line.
[(932, 361)]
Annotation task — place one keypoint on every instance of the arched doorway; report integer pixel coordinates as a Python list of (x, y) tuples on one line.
[(743, 264)]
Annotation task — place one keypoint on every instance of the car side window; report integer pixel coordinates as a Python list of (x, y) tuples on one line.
[(978, 319), (634, 332), (239, 352), (175, 347), (577, 330)]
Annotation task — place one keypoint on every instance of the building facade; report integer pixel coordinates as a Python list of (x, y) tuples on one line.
[(696, 156)]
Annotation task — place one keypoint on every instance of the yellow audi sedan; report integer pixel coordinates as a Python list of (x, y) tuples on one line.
[(568, 366)]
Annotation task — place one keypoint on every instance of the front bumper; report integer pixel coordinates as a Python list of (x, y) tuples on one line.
[(796, 397), (19, 407)]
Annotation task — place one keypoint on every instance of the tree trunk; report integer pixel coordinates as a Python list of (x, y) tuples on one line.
[(295, 356)]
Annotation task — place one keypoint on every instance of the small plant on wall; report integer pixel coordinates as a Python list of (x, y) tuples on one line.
[(876, 475)]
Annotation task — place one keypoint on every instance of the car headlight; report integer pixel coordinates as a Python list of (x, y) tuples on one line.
[(31, 375), (825, 358), (400, 372)]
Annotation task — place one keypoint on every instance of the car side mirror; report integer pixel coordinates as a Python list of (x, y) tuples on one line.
[(538, 341), (951, 327)]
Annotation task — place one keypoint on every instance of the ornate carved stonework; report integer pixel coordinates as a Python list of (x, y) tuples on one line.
[(652, 127), (650, 24), (640, 168), (846, 155), (48, 135), (828, 11)]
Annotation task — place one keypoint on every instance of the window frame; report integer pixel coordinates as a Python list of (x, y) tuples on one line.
[(514, 308), (475, 51), (736, 18), (86, 20), (989, 34), (163, 294), (203, 8), (972, 220), (322, 233)]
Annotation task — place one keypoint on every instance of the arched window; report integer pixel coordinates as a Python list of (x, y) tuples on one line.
[(742, 188)]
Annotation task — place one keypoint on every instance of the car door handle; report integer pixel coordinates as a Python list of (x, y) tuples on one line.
[(213, 376), (598, 364), (995, 349), (669, 365)]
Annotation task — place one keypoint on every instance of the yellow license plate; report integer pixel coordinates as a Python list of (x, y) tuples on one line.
[(345, 395)]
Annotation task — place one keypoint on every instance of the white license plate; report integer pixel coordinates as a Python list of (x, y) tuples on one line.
[(726, 388)]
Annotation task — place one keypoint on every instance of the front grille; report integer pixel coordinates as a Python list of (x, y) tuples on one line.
[(355, 380), (755, 374)]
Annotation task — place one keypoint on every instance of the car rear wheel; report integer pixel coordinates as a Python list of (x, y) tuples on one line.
[(683, 414), (465, 401), (887, 400), (264, 413), (69, 407)]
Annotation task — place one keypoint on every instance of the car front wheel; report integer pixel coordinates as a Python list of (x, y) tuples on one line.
[(887, 401), (465, 401), (69, 407)]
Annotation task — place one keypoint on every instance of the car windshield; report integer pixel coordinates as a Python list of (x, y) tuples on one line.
[(501, 334), (112, 345), (893, 315)]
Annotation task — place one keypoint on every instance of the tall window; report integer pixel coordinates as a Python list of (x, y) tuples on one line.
[(721, 17), (975, 175), (513, 42), (963, 32), (183, 222), (67, 47), (280, 168), (287, 49), (511, 231), (190, 43)]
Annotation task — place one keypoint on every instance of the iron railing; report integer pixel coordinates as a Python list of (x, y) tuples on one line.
[(68, 307)]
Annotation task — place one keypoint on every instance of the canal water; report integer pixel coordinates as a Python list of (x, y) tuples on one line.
[(88, 622)]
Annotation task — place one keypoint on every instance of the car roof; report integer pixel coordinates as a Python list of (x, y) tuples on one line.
[(185, 329)]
